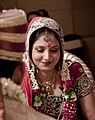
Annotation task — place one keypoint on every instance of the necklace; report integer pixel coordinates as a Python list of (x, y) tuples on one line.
[(48, 86)]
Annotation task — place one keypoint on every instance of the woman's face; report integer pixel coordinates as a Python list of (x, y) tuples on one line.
[(46, 52)]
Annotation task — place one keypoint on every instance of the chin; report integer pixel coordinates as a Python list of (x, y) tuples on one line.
[(46, 69)]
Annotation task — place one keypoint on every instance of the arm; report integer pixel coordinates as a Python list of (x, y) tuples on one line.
[(84, 91), (87, 104), (18, 74)]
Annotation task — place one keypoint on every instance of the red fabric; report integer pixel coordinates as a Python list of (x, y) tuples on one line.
[(76, 70), (12, 46), (26, 86), (15, 29), (32, 21)]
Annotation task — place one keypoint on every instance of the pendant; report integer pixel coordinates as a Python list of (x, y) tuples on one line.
[(48, 89)]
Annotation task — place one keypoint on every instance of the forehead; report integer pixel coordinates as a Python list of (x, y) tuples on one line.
[(43, 40)]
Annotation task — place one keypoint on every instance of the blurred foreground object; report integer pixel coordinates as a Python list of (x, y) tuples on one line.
[(13, 25)]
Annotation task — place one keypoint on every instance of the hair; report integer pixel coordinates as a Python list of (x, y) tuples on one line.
[(35, 36), (32, 13), (43, 12)]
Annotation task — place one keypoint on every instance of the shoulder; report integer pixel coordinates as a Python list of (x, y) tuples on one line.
[(75, 68)]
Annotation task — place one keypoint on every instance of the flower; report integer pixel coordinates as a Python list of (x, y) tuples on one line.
[(37, 97), (69, 109), (12, 90), (38, 101), (68, 90), (69, 84)]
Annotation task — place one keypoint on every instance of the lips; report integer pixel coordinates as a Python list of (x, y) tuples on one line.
[(47, 63)]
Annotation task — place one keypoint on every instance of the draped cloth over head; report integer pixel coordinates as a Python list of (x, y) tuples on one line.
[(13, 26), (40, 22), (36, 24)]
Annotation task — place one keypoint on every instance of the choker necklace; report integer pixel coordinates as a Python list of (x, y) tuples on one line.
[(48, 86)]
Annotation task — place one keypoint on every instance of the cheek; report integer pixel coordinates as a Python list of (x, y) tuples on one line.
[(57, 56), (35, 56)]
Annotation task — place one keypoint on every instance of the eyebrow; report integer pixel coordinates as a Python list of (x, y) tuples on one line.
[(40, 46), (56, 46)]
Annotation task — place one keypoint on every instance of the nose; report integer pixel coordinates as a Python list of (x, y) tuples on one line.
[(46, 55)]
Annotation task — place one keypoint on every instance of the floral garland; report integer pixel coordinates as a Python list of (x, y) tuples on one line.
[(12, 90), (68, 90), (68, 109)]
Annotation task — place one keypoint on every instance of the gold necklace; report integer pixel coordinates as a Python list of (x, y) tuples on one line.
[(48, 86)]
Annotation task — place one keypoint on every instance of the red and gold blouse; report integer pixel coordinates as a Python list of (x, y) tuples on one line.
[(63, 107)]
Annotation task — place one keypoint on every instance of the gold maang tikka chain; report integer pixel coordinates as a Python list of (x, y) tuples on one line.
[(47, 37)]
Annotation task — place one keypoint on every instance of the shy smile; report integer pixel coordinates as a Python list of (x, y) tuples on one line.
[(47, 63)]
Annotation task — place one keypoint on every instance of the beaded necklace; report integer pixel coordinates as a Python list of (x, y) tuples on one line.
[(48, 86)]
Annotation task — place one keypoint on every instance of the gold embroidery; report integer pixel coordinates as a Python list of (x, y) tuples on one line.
[(83, 85)]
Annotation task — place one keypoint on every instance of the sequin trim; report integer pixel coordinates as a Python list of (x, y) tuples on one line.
[(83, 85)]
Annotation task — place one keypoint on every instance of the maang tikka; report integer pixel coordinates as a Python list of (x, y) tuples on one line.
[(46, 37)]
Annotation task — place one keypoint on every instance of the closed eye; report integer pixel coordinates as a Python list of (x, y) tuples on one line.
[(54, 50), (40, 49)]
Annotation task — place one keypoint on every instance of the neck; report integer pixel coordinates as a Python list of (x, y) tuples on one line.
[(45, 75)]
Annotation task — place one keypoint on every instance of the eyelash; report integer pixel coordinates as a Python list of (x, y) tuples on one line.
[(52, 50), (40, 50)]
